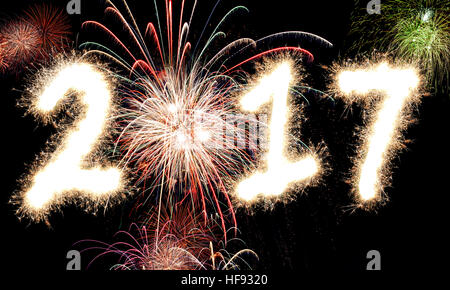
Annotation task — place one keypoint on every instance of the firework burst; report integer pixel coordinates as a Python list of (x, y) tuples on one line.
[(54, 27), (414, 31), (34, 37), (170, 241), (176, 102), (179, 134), (19, 43)]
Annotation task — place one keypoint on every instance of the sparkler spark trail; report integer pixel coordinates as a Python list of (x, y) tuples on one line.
[(280, 172), (67, 171), (173, 118), (398, 84)]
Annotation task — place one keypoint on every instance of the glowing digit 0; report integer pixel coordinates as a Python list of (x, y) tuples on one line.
[(381, 133), (68, 171), (280, 171)]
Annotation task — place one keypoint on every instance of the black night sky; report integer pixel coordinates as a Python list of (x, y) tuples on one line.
[(315, 233)]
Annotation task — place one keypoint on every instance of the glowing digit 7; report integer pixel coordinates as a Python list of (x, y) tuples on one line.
[(67, 171), (398, 85), (280, 172)]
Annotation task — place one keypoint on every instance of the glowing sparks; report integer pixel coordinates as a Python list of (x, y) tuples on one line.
[(67, 171), (280, 171), (398, 85)]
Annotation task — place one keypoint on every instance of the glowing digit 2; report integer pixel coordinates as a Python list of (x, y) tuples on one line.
[(68, 171)]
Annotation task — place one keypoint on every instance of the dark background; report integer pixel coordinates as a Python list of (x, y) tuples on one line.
[(315, 232)]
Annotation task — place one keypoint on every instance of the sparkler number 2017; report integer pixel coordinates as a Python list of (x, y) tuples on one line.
[(49, 184)]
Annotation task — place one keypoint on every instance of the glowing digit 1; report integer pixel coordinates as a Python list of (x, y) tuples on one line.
[(398, 84), (67, 171), (280, 172)]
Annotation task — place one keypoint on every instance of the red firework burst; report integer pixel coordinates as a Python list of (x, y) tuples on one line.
[(166, 241), (43, 31), (54, 27), (171, 239), (3, 63), (19, 42)]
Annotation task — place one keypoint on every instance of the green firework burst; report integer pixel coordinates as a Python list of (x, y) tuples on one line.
[(416, 31)]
